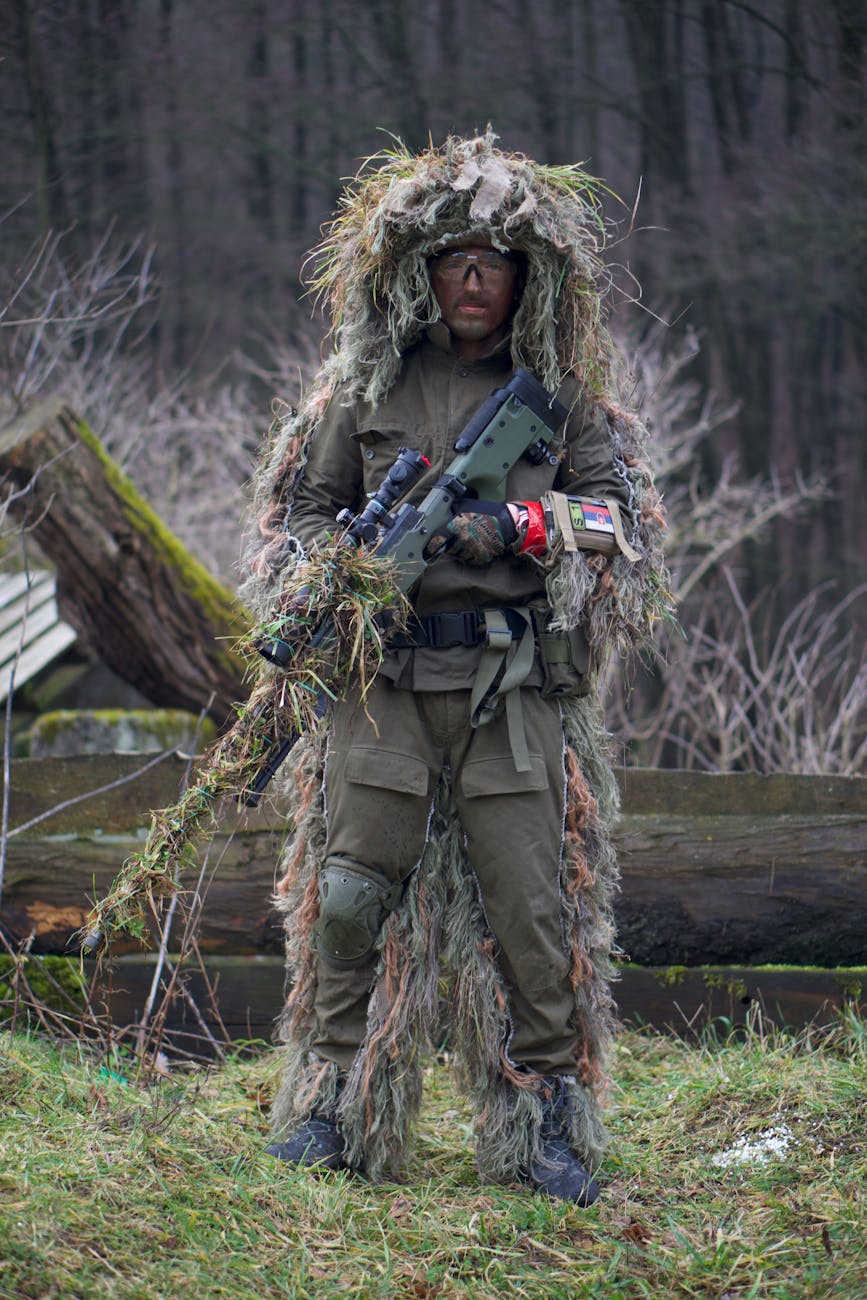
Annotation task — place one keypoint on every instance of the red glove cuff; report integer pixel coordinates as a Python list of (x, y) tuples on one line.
[(536, 537)]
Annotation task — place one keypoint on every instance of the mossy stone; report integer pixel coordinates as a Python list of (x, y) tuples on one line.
[(99, 731)]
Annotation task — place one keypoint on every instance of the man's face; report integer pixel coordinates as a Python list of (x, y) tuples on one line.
[(477, 289)]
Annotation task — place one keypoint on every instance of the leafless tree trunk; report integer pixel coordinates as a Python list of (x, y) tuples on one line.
[(655, 33), (50, 197), (174, 347)]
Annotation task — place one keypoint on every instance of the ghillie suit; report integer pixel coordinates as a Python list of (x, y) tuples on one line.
[(371, 271)]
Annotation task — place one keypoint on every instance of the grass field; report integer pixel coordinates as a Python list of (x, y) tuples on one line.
[(738, 1169)]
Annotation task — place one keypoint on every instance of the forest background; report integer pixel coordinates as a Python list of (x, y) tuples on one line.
[(166, 165)]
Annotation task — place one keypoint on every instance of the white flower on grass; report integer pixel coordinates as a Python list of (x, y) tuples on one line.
[(760, 1147)]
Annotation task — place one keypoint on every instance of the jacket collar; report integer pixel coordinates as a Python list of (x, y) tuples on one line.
[(439, 336)]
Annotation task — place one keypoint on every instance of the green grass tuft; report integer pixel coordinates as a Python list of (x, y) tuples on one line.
[(110, 1188)]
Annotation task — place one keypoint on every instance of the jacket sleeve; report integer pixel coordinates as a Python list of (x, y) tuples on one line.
[(590, 467), (615, 599), (331, 478)]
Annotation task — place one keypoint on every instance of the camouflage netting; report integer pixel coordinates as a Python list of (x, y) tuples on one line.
[(370, 270)]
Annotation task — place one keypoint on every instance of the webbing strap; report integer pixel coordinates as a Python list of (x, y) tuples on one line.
[(505, 664)]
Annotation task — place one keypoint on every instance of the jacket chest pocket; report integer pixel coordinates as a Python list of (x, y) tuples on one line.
[(380, 444), (379, 448)]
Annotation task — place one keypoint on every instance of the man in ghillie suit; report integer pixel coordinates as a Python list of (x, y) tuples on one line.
[(451, 863)]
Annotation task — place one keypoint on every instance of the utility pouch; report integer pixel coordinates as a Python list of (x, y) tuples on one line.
[(586, 524), (565, 661)]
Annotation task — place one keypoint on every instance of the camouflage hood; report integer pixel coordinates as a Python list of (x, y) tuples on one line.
[(371, 268)]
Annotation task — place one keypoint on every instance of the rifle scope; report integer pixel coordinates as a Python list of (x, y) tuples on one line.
[(402, 473), (360, 529)]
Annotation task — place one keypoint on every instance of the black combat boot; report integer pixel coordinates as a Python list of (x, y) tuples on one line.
[(557, 1171), (318, 1143)]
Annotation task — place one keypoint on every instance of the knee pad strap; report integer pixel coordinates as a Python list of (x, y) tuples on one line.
[(353, 904)]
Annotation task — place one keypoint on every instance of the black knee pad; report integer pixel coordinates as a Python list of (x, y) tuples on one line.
[(353, 904)]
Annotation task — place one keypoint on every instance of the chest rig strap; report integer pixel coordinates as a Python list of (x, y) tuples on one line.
[(505, 664), (509, 640)]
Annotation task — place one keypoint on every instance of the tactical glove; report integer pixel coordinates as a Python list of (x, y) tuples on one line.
[(478, 536)]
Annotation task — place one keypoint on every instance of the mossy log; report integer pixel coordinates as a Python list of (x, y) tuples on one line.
[(731, 869), (251, 993), (126, 584)]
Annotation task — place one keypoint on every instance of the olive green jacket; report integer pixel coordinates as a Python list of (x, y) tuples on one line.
[(433, 399)]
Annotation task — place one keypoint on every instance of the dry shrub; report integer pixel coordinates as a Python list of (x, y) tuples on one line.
[(80, 327), (736, 695), (737, 686)]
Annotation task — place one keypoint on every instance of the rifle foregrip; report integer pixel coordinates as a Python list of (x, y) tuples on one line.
[(267, 772)]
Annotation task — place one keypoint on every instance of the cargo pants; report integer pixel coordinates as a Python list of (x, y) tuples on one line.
[(378, 793)]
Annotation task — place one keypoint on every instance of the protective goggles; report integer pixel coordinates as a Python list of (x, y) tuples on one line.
[(454, 264)]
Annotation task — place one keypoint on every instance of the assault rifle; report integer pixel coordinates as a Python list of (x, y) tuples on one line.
[(518, 420)]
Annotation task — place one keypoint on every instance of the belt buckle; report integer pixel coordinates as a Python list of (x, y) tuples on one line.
[(451, 629)]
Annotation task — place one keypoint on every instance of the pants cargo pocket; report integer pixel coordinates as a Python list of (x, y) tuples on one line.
[(514, 826), (387, 770), (497, 775), (377, 806)]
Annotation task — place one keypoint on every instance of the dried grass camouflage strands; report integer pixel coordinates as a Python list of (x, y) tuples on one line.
[(348, 585), (370, 274), (371, 267), (437, 968)]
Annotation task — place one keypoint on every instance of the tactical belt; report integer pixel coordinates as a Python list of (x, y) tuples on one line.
[(440, 631), (468, 627), (510, 640)]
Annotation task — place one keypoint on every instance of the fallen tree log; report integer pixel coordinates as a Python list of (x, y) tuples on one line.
[(125, 583), (251, 994), (243, 996), (717, 870), (740, 868)]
